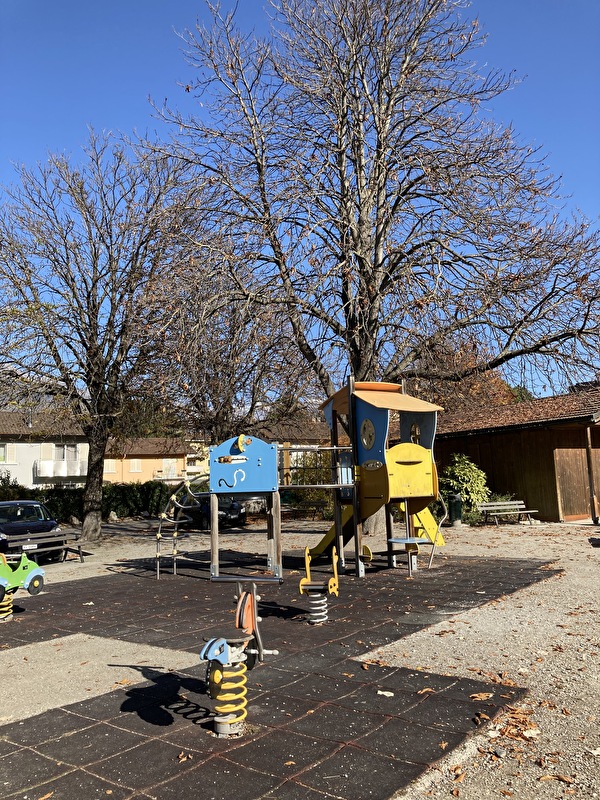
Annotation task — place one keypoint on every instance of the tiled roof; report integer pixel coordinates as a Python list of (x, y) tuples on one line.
[(147, 447), (303, 430), (45, 425), (578, 406)]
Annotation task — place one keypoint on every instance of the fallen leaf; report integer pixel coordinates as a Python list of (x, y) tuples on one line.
[(426, 691), (443, 745), (289, 763), (385, 694), (46, 796), (562, 778), (481, 695)]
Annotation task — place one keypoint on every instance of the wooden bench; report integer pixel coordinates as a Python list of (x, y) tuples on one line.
[(36, 544), (506, 508)]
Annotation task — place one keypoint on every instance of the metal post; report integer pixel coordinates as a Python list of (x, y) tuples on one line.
[(214, 535), (360, 567)]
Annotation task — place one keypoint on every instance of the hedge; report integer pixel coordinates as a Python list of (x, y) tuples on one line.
[(125, 499)]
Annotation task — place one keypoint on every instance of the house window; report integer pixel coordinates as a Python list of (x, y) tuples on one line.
[(65, 452), (135, 465), (110, 465), (8, 453)]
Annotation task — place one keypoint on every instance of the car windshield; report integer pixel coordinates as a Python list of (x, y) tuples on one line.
[(19, 513)]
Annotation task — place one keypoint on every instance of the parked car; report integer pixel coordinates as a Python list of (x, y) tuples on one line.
[(20, 517), (232, 513)]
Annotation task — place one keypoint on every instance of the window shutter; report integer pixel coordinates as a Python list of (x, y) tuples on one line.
[(11, 453), (46, 451)]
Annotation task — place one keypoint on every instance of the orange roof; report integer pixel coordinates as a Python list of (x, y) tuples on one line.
[(380, 395)]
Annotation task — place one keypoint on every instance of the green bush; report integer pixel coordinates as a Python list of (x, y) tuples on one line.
[(463, 477), (64, 502), (10, 489)]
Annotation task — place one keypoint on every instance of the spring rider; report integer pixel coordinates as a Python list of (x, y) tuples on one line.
[(230, 657), (22, 574)]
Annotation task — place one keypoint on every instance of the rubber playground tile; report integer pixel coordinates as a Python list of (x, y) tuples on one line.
[(408, 741), (447, 714), (292, 790), (77, 785), (408, 680), (270, 676), (7, 747), (353, 773), (197, 737), (376, 698), (153, 720), (336, 723), (143, 766), (500, 695), (282, 753), (322, 688), (90, 745), (24, 768), (44, 727), (98, 709), (276, 709), (217, 779), (313, 660)]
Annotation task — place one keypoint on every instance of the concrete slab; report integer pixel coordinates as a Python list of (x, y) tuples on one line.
[(71, 668)]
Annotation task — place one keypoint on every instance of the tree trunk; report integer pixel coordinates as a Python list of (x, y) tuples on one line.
[(92, 494), (375, 524)]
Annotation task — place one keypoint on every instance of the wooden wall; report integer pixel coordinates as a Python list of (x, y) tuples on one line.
[(545, 467)]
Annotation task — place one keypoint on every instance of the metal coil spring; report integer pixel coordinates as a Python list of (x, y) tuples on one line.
[(231, 700), (6, 607), (317, 608)]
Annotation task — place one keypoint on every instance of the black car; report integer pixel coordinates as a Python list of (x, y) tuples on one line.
[(20, 517), (195, 513)]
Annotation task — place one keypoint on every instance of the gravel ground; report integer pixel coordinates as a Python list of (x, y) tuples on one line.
[(545, 638)]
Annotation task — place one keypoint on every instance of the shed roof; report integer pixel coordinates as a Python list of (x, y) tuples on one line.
[(380, 395), (581, 407)]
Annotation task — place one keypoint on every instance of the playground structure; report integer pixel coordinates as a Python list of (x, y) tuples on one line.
[(380, 469), (365, 478), (317, 591), (14, 575)]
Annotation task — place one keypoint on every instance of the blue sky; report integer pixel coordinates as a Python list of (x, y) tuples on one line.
[(72, 63)]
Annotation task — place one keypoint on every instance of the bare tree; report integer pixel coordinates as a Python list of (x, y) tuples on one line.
[(401, 231), (81, 249), (230, 364)]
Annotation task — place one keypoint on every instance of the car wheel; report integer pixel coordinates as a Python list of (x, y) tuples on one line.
[(55, 555), (36, 585)]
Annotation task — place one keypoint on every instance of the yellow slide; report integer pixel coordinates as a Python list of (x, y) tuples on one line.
[(328, 541), (426, 527)]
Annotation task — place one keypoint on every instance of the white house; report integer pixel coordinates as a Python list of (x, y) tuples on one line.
[(42, 449)]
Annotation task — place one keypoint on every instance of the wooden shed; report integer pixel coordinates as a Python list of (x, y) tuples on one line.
[(545, 452)]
